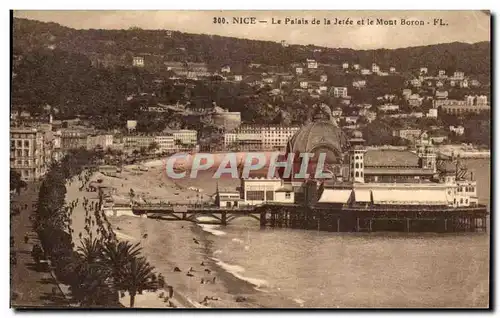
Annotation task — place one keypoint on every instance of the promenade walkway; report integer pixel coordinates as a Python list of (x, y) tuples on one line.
[(29, 287)]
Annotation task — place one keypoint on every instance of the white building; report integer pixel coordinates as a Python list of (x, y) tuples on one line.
[(228, 199), (365, 71), (299, 70), (416, 82), (482, 100), (459, 130), (345, 65), (351, 119), (470, 100), (270, 137), (323, 78), (388, 107), (165, 143), (138, 61), (103, 141), (458, 75), (337, 112), (185, 136), (238, 78), (131, 125), (441, 94), (303, 84), (340, 92), (375, 68), (433, 113), (312, 64), (256, 190), (415, 100), (30, 152), (137, 142), (225, 69), (475, 83), (356, 66), (423, 70), (392, 69), (359, 84)]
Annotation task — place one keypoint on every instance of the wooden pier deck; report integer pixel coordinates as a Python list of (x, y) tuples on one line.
[(332, 218)]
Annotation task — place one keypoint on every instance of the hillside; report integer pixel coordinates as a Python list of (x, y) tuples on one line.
[(474, 59)]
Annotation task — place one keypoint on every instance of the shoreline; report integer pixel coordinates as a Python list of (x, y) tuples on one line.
[(221, 294)]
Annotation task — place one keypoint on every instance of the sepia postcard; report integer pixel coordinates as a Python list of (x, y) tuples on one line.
[(250, 159)]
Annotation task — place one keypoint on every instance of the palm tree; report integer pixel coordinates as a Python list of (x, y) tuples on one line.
[(90, 250), (93, 287), (117, 255), (93, 284), (137, 276)]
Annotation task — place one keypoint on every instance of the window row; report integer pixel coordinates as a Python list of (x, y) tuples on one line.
[(19, 143), (466, 189), (20, 162), (357, 174), (21, 153), (357, 165)]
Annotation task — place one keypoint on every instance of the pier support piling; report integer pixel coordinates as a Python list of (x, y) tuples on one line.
[(263, 220), (223, 218)]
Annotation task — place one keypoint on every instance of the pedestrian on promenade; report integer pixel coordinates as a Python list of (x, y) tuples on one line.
[(26, 238)]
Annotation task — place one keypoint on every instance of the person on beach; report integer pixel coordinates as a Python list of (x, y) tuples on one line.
[(161, 281)]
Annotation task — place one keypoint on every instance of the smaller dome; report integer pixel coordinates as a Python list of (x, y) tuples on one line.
[(357, 134)]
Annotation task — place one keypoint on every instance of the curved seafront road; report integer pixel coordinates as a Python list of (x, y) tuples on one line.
[(30, 288)]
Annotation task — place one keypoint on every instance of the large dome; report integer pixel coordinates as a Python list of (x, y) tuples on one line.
[(321, 136)]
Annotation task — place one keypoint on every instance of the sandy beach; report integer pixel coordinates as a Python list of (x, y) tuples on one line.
[(167, 245)]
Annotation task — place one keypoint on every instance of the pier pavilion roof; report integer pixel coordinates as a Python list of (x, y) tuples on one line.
[(398, 171), (320, 136), (335, 196), (362, 195), (391, 158), (410, 196)]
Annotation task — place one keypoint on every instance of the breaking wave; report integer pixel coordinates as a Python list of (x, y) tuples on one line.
[(212, 229), (237, 271)]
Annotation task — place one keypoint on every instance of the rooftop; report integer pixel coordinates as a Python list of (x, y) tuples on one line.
[(391, 158)]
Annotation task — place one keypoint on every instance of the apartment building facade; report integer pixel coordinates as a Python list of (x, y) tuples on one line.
[(30, 152)]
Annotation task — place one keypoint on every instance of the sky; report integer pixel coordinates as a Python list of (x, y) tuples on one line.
[(461, 26)]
